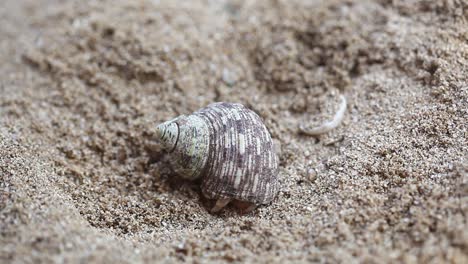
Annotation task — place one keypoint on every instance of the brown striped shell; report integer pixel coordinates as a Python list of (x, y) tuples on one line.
[(229, 147)]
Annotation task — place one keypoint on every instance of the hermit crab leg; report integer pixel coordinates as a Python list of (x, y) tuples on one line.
[(244, 207), (329, 125), (220, 204), (249, 209)]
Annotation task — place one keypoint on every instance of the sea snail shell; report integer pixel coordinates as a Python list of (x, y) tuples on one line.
[(229, 147)]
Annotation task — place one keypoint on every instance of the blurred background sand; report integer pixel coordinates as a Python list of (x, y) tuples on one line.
[(82, 85)]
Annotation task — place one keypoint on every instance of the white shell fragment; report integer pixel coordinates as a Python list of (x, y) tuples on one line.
[(329, 125), (229, 147)]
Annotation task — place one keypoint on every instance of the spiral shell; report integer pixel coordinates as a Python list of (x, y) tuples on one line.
[(229, 147)]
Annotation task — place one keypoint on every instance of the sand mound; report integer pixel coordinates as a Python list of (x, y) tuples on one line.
[(83, 180)]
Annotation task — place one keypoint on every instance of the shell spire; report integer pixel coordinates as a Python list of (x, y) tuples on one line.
[(168, 134), (186, 139)]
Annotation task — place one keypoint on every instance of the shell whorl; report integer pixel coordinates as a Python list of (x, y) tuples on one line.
[(168, 134), (242, 163)]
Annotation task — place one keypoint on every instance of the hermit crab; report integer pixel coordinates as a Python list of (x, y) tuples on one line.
[(229, 148)]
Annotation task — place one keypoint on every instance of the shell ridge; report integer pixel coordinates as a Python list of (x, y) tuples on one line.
[(231, 176), (234, 139), (212, 144), (216, 156), (177, 138)]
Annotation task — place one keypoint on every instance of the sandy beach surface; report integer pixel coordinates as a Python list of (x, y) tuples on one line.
[(83, 83)]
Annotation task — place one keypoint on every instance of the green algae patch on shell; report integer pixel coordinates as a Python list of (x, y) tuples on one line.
[(188, 144)]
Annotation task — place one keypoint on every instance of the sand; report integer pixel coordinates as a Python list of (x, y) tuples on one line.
[(83, 181)]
